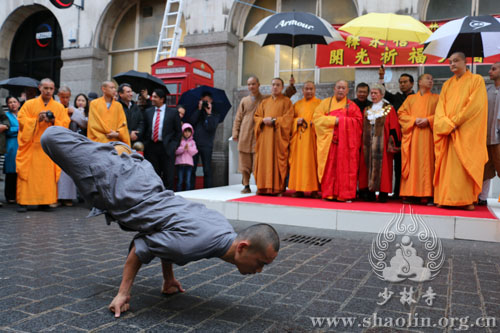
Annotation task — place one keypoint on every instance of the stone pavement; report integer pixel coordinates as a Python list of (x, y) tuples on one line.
[(59, 271)]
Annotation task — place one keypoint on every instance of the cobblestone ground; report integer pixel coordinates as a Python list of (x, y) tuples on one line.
[(59, 271)]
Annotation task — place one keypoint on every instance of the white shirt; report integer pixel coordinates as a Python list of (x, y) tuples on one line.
[(162, 117)]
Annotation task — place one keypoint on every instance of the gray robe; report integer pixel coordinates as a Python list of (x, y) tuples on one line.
[(127, 189)]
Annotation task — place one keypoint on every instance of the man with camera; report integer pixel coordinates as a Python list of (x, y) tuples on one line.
[(204, 121), (37, 175)]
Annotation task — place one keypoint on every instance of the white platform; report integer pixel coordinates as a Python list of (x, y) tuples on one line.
[(451, 227)]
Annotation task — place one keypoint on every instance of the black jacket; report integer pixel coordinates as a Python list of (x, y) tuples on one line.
[(396, 99), (171, 131), (204, 126), (135, 120)]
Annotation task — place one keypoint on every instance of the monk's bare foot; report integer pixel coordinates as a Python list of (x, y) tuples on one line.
[(298, 194), (439, 206)]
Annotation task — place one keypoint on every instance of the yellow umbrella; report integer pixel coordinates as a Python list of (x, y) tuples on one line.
[(388, 26)]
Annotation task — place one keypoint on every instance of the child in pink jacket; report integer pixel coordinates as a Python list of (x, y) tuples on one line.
[(184, 156)]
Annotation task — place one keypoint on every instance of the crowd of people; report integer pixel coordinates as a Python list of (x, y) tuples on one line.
[(439, 149), (163, 135)]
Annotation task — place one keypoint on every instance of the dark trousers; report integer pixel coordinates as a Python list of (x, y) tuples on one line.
[(162, 163), (10, 186), (397, 174), (205, 153)]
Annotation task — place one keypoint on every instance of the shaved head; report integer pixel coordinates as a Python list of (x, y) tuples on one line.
[(107, 83), (341, 89), (46, 80), (461, 55)]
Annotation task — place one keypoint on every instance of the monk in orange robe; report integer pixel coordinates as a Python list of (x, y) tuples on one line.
[(107, 120), (303, 164), (416, 117), (460, 125), (273, 126), (338, 121), (37, 175)]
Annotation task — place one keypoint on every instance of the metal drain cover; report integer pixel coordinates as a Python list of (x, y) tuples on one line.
[(311, 240)]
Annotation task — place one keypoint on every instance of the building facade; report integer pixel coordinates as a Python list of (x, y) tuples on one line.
[(96, 39)]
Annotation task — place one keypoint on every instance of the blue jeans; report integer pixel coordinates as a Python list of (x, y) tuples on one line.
[(184, 171)]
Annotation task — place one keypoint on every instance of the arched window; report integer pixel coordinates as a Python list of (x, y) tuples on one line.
[(270, 61), (136, 37)]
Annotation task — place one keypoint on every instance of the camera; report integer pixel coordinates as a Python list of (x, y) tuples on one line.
[(50, 116), (204, 105)]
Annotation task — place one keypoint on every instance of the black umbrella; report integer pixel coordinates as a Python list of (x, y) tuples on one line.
[(476, 36), (293, 29), (140, 80), (19, 82), (220, 105)]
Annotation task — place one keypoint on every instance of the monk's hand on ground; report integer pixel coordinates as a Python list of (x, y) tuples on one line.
[(171, 286), (120, 304)]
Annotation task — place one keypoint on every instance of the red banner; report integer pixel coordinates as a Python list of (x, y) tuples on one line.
[(370, 52)]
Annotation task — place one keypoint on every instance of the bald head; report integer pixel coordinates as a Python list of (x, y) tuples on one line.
[(46, 88), (340, 90), (64, 94), (458, 64), (108, 89), (107, 83), (253, 85), (46, 80), (461, 55), (494, 73), (309, 90)]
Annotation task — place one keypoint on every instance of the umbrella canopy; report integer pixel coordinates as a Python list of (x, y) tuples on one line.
[(220, 105), (140, 80), (386, 26), (293, 29), (476, 36), (19, 82)]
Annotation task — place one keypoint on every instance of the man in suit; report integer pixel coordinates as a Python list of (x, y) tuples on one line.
[(162, 135), (135, 122)]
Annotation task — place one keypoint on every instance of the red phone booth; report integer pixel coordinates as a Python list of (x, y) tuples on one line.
[(181, 74)]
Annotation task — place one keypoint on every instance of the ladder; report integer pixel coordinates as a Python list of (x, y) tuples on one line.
[(168, 46)]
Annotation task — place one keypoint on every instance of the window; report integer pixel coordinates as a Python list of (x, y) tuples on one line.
[(271, 61), (136, 37)]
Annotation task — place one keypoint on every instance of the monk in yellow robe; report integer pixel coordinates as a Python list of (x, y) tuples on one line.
[(273, 126), (303, 163), (107, 120), (338, 124), (460, 125), (416, 117), (37, 175)]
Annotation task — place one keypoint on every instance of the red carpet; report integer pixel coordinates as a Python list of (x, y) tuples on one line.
[(390, 207)]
